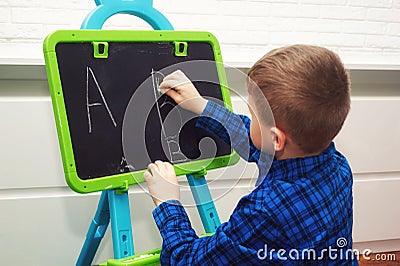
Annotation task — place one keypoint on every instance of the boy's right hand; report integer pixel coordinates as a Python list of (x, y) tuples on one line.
[(177, 86)]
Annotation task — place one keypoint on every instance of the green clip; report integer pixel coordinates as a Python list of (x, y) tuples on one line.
[(200, 173), (124, 188), (181, 48), (100, 49)]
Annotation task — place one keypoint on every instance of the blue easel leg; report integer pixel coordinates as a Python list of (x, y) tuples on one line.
[(120, 224), (204, 202), (96, 232)]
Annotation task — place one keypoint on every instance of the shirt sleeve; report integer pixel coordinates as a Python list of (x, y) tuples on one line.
[(231, 128), (181, 245)]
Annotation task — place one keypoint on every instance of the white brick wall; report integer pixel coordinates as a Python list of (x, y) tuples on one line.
[(361, 31)]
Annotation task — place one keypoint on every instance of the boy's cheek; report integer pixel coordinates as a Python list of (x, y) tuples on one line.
[(263, 144), (256, 141), (261, 138), (256, 136), (255, 133)]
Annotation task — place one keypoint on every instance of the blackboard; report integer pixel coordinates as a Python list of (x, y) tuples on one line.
[(118, 122)]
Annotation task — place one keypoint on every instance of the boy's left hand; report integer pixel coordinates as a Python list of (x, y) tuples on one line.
[(162, 182)]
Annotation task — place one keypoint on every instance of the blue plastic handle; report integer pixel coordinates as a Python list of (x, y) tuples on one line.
[(140, 8)]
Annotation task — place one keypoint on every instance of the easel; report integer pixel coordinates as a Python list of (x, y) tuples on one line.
[(114, 204)]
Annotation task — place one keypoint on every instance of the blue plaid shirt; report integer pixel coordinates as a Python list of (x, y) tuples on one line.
[(299, 214)]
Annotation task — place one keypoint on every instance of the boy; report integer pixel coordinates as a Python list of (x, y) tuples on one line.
[(301, 211)]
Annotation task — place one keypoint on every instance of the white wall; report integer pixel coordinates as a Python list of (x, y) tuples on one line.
[(361, 31), (44, 223)]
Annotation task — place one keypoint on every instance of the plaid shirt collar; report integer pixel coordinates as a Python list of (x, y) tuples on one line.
[(293, 168)]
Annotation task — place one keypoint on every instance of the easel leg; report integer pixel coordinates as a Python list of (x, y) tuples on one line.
[(204, 202), (112, 206), (120, 224), (96, 232)]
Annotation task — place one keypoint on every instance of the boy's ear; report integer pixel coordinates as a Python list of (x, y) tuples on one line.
[(278, 139)]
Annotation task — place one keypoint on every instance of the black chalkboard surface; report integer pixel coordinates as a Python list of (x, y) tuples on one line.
[(117, 119)]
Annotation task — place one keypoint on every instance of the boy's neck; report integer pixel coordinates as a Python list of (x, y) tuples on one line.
[(292, 151)]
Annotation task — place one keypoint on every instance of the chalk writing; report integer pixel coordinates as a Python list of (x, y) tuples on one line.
[(89, 105), (125, 166), (168, 133)]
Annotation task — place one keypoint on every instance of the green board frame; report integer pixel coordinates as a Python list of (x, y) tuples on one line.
[(122, 181)]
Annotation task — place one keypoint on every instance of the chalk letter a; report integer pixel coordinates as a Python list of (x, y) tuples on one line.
[(89, 105)]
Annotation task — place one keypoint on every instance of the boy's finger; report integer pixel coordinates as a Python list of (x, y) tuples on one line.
[(173, 83), (153, 168), (158, 163), (173, 94), (174, 75), (168, 84), (171, 75), (169, 167), (147, 176), (161, 166), (180, 75)]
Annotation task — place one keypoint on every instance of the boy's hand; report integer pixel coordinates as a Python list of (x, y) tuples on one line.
[(177, 86), (162, 182)]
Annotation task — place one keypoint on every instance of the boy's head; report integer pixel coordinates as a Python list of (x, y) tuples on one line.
[(308, 91)]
